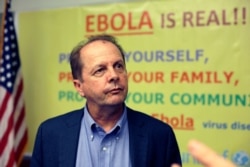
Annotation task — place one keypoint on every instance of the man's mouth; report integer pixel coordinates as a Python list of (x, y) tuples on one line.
[(115, 91)]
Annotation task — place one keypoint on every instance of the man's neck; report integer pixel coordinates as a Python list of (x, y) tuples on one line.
[(106, 117)]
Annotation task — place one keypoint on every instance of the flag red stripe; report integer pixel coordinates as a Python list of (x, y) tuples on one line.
[(4, 105), (21, 146), (11, 159), (19, 120), (6, 134), (18, 93)]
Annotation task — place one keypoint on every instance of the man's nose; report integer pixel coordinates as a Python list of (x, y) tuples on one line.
[(113, 75)]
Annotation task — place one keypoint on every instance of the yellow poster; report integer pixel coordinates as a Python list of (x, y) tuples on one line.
[(188, 65)]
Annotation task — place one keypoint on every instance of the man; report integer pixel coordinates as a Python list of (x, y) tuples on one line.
[(105, 133)]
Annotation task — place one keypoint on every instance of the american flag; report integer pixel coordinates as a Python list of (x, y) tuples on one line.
[(13, 129)]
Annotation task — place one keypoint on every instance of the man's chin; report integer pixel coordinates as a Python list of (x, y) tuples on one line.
[(116, 102)]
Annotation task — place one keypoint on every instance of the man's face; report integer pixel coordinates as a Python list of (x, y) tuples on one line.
[(105, 81)]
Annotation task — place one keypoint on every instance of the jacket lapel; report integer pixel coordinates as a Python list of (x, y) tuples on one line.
[(137, 140), (69, 139)]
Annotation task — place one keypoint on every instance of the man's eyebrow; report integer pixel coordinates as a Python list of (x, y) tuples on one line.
[(120, 61)]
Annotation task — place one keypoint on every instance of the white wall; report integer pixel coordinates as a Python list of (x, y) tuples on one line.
[(31, 5), (34, 5)]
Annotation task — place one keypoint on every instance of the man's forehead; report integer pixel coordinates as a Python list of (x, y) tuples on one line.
[(96, 46)]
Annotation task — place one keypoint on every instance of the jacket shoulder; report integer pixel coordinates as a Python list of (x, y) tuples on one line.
[(68, 119)]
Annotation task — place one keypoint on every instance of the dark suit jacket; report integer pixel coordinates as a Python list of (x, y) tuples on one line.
[(152, 143)]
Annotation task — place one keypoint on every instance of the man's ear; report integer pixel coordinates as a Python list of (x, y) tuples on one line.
[(78, 86)]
